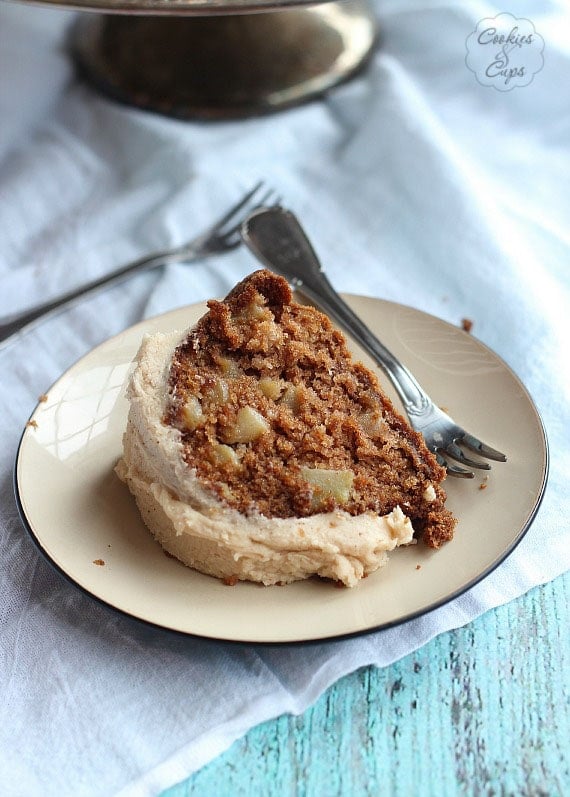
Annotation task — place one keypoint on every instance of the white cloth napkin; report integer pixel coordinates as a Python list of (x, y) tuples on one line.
[(419, 185)]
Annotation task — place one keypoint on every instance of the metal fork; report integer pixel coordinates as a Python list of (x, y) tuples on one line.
[(223, 236), (277, 239)]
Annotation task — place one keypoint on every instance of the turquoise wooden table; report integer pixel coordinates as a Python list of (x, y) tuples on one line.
[(484, 710)]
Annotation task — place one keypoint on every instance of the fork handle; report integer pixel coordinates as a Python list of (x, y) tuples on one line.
[(10, 325), (277, 239)]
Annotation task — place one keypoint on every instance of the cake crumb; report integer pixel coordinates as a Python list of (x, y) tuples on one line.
[(43, 398), (230, 581), (33, 424), (483, 485), (418, 567), (99, 562), (466, 324)]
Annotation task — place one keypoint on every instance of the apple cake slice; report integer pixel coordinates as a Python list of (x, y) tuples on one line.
[(258, 449)]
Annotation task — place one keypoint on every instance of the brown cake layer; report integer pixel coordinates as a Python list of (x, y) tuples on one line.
[(265, 394)]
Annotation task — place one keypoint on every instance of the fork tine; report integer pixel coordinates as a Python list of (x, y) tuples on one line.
[(456, 453), (264, 197), (454, 470), (237, 207), (481, 448), (259, 203)]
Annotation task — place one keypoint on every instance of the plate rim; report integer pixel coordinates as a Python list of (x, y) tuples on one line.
[(313, 640)]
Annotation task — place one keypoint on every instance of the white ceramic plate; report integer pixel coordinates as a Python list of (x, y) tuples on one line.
[(79, 513)]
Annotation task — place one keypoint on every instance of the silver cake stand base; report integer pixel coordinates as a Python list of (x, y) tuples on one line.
[(226, 65)]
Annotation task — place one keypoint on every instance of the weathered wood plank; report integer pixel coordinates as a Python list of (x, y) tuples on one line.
[(484, 710)]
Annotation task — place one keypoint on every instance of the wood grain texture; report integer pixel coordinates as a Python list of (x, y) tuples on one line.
[(484, 710)]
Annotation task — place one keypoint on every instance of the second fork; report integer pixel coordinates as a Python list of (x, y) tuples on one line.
[(222, 236), (276, 237)]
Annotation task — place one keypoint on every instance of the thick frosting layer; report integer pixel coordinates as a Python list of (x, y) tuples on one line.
[(192, 524)]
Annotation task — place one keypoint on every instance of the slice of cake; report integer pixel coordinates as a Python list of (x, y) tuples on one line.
[(257, 449)]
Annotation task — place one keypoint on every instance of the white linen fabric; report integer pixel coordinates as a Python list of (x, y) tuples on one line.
[(417, 184)]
